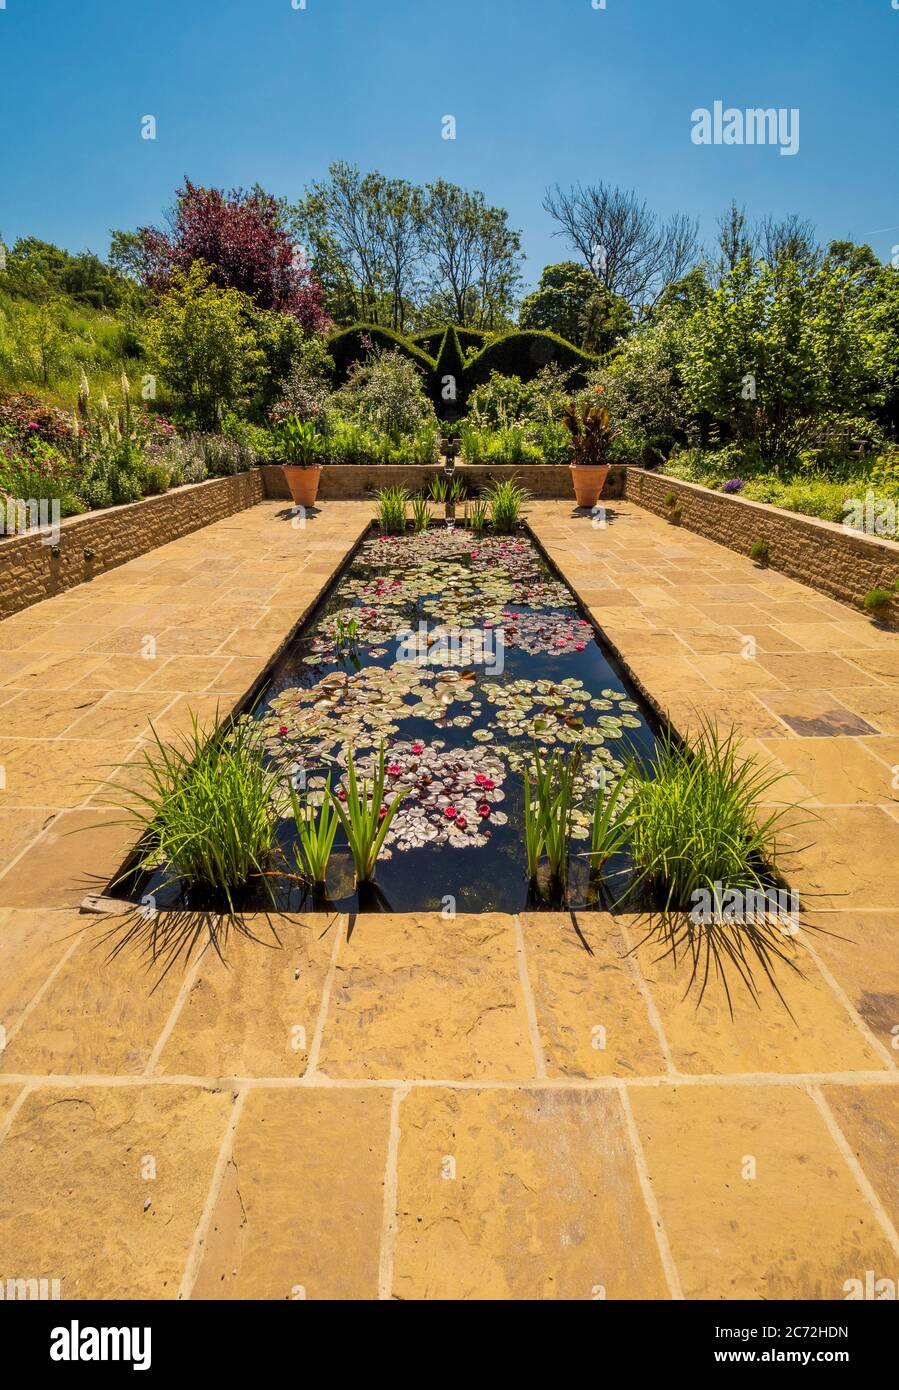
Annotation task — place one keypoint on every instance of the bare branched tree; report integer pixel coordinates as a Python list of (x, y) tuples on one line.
[(790, 238), (629, 248)]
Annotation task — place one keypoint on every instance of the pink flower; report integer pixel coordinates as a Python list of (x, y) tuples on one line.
[(382, 813), (418, 748), (461, 822), (394, 770), (483, 810), (484, 781), (341, 794), (283, 729), (450, 812)]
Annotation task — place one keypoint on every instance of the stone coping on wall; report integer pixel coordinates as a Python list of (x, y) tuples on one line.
[(822, 554), (351, 480), (33, 568), (837, 561)]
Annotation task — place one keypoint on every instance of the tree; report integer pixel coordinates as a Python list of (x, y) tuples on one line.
[(772, 352), (241, 239), (789, 240), (39, 271), (644, 392), (201, 341), (568, 301), (475, 256), (364, 233), (627, 247), (736, 241)]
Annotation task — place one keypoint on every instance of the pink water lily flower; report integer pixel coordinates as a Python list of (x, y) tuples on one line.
[(461, 822), (283, 729), (580, 647), (418, 748), (483, 810), (394, 770), (450, 812)]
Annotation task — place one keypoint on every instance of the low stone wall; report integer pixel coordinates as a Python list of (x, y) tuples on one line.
[(819, 553), (350, 480), (98, 541)]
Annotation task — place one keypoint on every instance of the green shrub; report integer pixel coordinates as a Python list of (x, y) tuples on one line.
[(392, 509), (387, 394), (155, 478), (759, 551), (506, 500), (702, 822), (357, 343), (878, 600), (206, 816)]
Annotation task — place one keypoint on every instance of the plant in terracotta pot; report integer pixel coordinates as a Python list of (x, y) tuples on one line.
[(591, 434), (301, 458)]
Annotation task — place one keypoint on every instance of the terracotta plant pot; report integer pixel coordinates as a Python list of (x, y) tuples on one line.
[(589, 481), (303, 483)]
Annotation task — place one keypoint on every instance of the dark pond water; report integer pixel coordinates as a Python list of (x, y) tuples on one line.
[(460, 655)]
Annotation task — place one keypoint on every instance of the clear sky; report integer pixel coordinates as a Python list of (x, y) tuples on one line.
[(542, 91)]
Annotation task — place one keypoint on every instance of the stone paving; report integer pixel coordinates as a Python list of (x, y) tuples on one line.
[(411, 1107)]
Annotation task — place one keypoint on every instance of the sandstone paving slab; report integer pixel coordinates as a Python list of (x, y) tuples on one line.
[(122, 715), (847, 858), (300, 1211), (32, 944), (876, 705), (253, 1006), (861, 950), (882, 664), (417, 995), (526, 1194), (592, 1017), (8, 1097), (810, 1031), (59, 772), (811, 670), (48, 670), (101, 1013), (756, 1199), (103, 1186), (45, 714), (868, 1117), (814, 714), (688, 708), (77, 854), (835, 771), (120, 673), (18, 828)]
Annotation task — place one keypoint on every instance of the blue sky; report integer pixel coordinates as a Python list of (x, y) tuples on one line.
[(542, 91)]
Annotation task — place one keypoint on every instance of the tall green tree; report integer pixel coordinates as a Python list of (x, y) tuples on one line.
[(202, 342), (772, 352), (569, 301)]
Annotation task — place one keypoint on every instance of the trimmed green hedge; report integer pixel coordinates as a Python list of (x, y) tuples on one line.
[(430, 340), (524, 354), (348, 347), (521, 354)]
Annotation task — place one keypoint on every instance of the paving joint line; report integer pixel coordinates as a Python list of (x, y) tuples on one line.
[(861, 1178), (530, 1007), (226, 1150)]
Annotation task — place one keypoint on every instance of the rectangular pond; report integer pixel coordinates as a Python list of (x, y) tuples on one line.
[(461, 654)]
